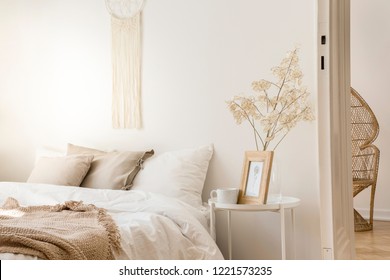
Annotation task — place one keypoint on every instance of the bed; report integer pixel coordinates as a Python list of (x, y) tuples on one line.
[(154, 203)]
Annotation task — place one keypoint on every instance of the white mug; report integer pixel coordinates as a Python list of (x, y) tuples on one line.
[(229, 195)]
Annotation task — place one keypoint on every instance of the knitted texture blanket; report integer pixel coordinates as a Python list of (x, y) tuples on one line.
[(68, 231)]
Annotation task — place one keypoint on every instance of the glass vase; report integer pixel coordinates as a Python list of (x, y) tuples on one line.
[(275, 187)]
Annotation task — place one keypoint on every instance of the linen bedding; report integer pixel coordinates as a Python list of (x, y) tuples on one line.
[(151, 225)]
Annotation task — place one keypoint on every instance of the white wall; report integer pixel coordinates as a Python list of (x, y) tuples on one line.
[(370, 58), (55, 87)]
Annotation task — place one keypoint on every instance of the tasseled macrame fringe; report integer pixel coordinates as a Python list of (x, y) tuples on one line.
[(126, 61)]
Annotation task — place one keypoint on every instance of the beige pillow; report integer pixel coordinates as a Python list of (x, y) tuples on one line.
[(65, 171), (111, 170), (73, 149)]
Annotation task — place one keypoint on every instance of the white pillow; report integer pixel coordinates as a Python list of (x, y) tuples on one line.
[(180, 174), (46, 151)]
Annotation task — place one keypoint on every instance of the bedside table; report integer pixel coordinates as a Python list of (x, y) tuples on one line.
[(285, 203)]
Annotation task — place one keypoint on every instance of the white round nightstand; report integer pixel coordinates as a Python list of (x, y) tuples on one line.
[(280, 206)]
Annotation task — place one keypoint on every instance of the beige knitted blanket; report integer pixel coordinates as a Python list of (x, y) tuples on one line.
[(68, 231)]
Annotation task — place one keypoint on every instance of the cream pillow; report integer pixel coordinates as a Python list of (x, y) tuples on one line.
[(65, 171), (180, 174), (111, 170)]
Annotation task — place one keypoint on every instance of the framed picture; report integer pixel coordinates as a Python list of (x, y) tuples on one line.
[(255, 177)]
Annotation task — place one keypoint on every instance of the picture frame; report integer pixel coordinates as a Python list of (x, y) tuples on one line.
[(255, 177)]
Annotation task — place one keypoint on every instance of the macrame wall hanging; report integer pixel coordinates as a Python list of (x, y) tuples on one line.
[(126, 62)]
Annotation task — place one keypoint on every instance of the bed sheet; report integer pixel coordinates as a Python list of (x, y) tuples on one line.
[(152, 226)]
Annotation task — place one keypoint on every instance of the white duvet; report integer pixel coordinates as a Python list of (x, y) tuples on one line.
[(152, 226)]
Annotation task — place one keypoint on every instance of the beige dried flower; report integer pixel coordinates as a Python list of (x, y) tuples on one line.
[(275, 107)]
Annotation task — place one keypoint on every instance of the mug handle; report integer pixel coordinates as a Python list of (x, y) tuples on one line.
[(213, 195)]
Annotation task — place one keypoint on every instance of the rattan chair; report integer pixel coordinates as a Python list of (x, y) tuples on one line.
[(365, 155)]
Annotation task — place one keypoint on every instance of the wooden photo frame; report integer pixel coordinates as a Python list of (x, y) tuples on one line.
[(255, 177)]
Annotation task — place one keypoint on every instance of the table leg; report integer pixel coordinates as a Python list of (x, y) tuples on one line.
[(293, 230), (229, 234), (212, 221), (283, 232)]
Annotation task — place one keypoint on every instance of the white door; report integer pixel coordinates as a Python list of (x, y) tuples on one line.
[(337, 227)]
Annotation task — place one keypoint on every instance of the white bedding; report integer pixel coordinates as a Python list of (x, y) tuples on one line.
[(152, 226)]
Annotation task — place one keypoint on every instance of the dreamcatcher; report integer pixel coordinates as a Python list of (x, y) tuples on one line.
[(126, 62)]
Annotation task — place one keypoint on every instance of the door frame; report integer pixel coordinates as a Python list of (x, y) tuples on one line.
[(334, 130)]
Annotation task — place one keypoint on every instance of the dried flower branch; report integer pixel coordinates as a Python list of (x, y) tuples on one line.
[(275, 106)]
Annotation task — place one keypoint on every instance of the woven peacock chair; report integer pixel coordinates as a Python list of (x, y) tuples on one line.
[(365, 155)]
